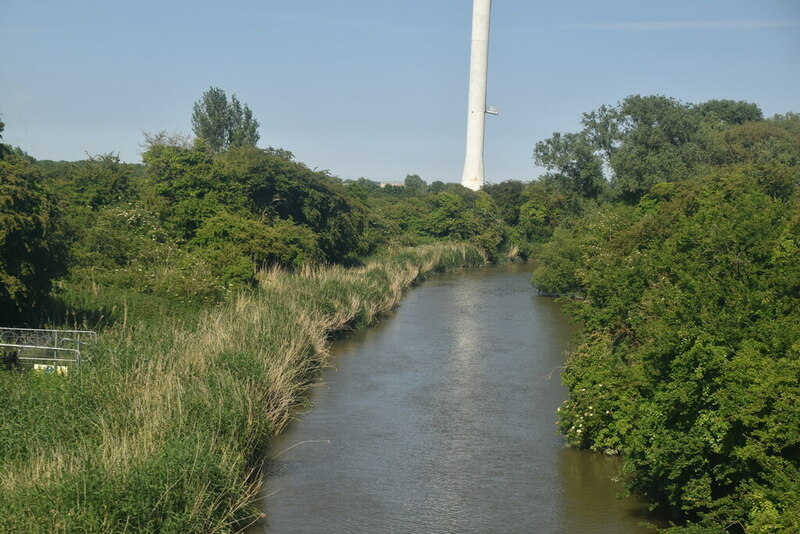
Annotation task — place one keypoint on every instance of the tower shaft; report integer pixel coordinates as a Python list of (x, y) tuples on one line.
[(476, 116)]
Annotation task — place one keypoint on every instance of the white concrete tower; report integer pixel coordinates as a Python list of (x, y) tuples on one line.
[(476, 117)]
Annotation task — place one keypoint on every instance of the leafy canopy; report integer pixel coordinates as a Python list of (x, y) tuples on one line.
[(222, 123), (689, 362), (32, 240)]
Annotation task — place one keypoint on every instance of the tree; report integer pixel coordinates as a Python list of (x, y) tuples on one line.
[(452, 218), (578, 166), (32, 244), (244, 128), (277, 188), (222, 124), (730, 111), (658, 144), (4, 149), (642, 141), (508, 197), (415, 184), (101, 180), (180, 178)]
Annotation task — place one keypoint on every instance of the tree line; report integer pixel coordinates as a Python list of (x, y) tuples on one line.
[(200, 217)]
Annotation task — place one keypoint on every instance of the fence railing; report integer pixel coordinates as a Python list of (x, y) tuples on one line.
[(47, 350)]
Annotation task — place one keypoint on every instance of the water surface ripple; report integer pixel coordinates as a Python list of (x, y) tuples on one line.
[(441, 420)]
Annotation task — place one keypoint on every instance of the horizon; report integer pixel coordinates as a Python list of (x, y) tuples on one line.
[(374, 90)]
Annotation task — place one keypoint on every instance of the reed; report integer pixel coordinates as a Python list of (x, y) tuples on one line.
[(166, 429)]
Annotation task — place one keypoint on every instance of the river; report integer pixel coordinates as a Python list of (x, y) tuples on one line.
[(441, 420)]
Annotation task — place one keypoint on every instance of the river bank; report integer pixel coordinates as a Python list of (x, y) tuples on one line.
[(165, 430)]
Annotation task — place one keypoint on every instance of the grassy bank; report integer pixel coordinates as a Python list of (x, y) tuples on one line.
[(165, 429)]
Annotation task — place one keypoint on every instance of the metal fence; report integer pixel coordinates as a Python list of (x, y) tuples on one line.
[(47, 350)]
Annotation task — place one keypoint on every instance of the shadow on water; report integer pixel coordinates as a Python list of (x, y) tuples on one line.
[(441, 420), (583, 475)]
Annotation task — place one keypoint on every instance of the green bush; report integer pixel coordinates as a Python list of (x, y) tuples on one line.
[(689, 364)]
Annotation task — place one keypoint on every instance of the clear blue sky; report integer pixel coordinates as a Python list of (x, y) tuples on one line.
[(375, 88)]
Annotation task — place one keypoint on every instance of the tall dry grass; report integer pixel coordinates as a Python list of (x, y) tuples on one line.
[(165, 430)]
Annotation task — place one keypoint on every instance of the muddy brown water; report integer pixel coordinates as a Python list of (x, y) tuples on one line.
[(441, 420)]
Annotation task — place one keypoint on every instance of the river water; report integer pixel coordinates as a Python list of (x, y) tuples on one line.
[(441, 420)]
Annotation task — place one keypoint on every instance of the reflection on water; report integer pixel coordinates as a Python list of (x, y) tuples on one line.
[(582, 475), (441, 420)]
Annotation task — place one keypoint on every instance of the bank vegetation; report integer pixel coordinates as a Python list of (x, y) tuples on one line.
[(166, 428)]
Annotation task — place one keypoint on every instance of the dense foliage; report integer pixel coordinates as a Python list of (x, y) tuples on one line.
[(191, 225), (687, 281), (416, 213), (32, 241)]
